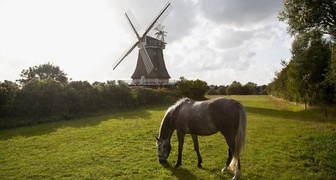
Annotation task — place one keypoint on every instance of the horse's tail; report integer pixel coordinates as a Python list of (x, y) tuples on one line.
[(239, 139)]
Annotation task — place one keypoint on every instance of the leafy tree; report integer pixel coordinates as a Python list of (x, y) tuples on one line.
[(304, 77), (119, 95), (213, 90), (310, 75), (199, 89), (43, 71), (305, 15), (310, 60), (278, 86), (222, 90), (234, 89), (81, 97), (249, 89), (194, 89), (39, 97), (331, 75), (8, 92)]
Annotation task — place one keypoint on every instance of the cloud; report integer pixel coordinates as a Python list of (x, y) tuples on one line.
[(231, 39), (217, 41), (241, 14), (225, 38)]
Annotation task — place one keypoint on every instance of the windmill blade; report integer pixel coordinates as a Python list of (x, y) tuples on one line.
[(146, 59), (124, 55), (158, 20), (132, 20), (128, 17)]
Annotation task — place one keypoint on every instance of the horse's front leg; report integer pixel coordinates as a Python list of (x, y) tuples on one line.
[(196, 147), (180, 138)]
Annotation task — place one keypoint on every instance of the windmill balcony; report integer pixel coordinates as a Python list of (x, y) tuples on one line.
[(151, 81)]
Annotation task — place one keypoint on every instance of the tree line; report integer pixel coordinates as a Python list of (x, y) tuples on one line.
[(236, 88), (310, 74), (44, 94)]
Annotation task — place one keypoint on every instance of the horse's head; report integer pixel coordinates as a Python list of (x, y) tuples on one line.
[(164, 148)]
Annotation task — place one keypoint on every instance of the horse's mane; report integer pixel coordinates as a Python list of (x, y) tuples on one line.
[(179, 103), (169, 116)]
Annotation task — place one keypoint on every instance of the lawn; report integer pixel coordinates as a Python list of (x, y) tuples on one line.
[(283, 142)]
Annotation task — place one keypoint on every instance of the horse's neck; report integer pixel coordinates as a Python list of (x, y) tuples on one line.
[(166, 130)]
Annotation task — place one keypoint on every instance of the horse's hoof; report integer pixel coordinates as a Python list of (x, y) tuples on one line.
[(177, 165), (237, 175), (199, 166), (224, 169), (163, 161)]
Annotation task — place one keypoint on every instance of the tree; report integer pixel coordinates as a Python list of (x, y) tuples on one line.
[(43, 71), (310, 61), (8, 92), (305, 15), (40, 97), (331, 75), (249, 89), (304, 78), (222, 90), (234, 89), (194, 89), (213, 90), (81, 97), (279, 84)]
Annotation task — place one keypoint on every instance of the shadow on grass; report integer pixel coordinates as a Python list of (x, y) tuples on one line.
[(89, 121), (181, 173), (144, 113), (307, 115)]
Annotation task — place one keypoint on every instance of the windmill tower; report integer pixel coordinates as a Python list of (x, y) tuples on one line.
[(150, 68)]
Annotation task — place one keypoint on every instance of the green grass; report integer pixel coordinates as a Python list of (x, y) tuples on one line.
[(284, 142)]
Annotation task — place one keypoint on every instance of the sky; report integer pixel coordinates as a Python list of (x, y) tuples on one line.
[(217, 41)]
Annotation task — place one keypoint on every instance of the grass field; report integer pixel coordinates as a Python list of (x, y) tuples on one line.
[(283, 142)]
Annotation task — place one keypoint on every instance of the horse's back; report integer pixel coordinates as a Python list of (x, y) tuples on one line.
[(206, 117), (225, 113), (224, 103)]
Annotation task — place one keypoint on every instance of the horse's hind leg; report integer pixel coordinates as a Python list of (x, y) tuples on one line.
[(231, 143), (196, 147), (230, 153), (228, 161)]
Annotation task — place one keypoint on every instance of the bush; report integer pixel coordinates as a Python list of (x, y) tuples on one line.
[(147, 96), (194, 89), (234, 89)]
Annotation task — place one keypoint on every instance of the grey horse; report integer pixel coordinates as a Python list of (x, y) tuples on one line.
[(204, 118)]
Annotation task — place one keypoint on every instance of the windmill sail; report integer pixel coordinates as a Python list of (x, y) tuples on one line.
[(124, 55), (158, 20), (132, 26), (144, 55), (146, 59), (131, 18)]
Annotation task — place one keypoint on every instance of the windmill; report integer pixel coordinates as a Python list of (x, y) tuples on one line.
[(150, 68)]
